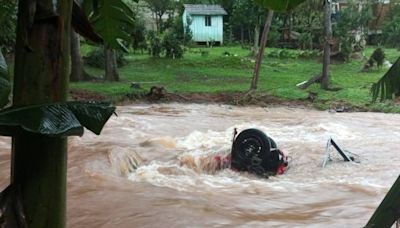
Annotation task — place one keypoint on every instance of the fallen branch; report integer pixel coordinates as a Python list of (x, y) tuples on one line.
[(304, 85)]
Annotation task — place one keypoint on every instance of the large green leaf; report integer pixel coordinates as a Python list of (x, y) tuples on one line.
[(5, 87), (279, 5), (112, 19), (389, 85), (58, 119), (81, 24), (3, 67)]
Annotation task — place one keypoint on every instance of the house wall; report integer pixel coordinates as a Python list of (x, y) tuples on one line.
[(202, 33)]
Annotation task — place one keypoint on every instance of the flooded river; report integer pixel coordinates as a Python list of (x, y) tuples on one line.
[(173, 187)]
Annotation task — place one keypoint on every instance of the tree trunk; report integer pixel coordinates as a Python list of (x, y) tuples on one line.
[(41, 75), (77, 73), (242, 36), (256, 47), (110, 63), (327, 46), (290, 26), (260, 54)]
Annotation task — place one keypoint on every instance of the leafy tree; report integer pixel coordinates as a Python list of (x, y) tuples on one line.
[(391, 27), (247, 15), (307, 21), (172, 45), (155, 46), (112, 20), (159, 8), (183, 34), (279, 5), (352, 20), (138, 34)]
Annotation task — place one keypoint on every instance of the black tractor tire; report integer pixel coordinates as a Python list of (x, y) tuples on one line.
[(251, 152)]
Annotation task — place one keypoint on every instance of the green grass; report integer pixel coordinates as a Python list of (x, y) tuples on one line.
[(209, 70)]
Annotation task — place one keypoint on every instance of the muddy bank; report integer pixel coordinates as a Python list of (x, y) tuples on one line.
[(231, 98)]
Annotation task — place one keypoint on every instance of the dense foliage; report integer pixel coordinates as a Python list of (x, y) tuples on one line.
[(8, 21), (351, 27), (96, 58), (391, 27), (172, 45)]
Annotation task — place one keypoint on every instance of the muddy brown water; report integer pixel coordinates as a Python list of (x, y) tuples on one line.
[(174, 187)]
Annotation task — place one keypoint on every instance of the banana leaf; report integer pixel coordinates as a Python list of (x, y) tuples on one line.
[(81, 24), (5, 86), (56, 120), (3, 67), (279, 5), (11, 210), (112, 20), (389, 85)]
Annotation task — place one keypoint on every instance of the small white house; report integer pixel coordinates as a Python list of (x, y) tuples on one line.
[(205, 22)]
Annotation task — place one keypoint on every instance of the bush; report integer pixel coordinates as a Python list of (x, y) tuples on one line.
[(95, 58), (172, 45), (292, 54), (305, 40), (378, 56), (155, 47)]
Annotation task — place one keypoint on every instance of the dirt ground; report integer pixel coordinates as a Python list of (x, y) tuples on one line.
[(163, 96)]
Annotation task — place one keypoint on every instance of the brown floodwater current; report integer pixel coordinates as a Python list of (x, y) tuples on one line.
[(174, 186)]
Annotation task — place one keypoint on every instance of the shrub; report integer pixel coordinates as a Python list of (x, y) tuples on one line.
[(155, 47), (378, 56), (172, 45), (292, 54), (95, 58)]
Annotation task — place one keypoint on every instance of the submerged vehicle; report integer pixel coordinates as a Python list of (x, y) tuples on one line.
[(254, 152)]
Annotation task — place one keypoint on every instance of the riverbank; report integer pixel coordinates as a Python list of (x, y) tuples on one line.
[(237, 99), (223, 75)]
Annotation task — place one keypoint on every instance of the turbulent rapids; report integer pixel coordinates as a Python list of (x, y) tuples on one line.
[(153, 167)]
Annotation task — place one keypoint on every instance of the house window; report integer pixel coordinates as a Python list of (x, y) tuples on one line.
[(208, 21)]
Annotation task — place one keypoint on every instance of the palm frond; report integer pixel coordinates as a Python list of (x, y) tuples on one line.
[(389, 85)]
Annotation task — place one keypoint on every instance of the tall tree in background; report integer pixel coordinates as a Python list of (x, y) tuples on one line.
[(112, 20), (77, 71), (280, 5), (247, 16), (260, 54), (327, 44), (159, 8)]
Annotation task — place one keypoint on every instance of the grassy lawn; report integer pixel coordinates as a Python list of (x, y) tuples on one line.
[(229, 69)]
